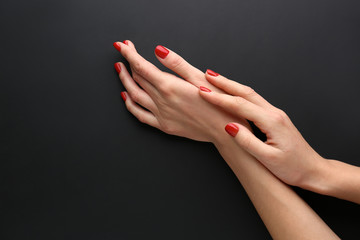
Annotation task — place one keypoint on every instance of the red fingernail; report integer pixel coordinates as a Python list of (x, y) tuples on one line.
[(161, 51), (123, 95), (204, 89), (117, 67), (126, 42), (212, 73), (232, 129), (117, 46)]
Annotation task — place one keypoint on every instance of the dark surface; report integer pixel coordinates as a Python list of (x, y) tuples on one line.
[(76, 165)]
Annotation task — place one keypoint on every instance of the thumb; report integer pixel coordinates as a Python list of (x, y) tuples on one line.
[(248, 141)]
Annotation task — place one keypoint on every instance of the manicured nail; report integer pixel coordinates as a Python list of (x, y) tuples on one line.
[(117, 46), (117, 67), (232, 129), (212, 73), (204, 89), (123, 95), (161, 51), (126, 42)]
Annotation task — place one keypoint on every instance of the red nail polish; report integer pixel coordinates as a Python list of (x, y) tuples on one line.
[(117, 46), (126, 42), (232, 129), (161, 51), (212, 73), (117, 67), (204, 89), (123, 95)]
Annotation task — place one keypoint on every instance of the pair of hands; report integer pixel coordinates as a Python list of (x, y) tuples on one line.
[(198, 106)]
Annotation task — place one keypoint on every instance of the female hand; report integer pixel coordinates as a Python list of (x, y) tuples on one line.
[(285, 152), (167, 102)]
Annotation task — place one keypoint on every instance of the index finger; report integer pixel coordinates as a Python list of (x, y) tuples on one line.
[(236, 89), (179, 65), (140, 65), (239, 107)]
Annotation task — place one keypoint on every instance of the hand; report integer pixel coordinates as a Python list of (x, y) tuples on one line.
[(174, 106), (285, 153), (170, 103)]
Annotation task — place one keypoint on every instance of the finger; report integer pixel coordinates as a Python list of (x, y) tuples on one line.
[(141, 114), (249, 142), (144, 84), (239, 107), (177, 64), (147, 86), (236, 89), (143, 67), (130, 44), (137, 94)]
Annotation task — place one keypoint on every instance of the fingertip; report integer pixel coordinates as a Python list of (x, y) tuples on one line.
[(161, 51), (117, 67), (232, 129), (130, 44), (117, 46), (124, 95), (210, 78), (206, 94), (211, 73), (204, 89)]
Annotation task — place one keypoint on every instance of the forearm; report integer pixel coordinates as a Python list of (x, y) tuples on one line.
[(284, 213), (337, 179)]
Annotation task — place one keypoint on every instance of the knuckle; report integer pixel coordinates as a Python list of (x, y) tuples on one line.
[(282, 113), (176, 63), (135, 96), (141, 69), (166, 89), (279, 118), (167, 128), (239, 100), (141, 118), (246, 142), (138, 67), (136, 77), (248, 91)]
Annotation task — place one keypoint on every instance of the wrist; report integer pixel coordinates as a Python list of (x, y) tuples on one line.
[(229, 150), (319, 178), (340, 180), (219, 138)]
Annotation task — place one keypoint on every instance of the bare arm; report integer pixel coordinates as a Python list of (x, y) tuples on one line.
[(175, 107), (284, 213), (337, 179), (285, 153)]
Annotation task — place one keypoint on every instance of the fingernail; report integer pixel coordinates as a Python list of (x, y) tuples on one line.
[(232, 129), (126, 42), (117, 46), (117, 67), (212, 73), (161, 51), (204, 89), (123, 95)]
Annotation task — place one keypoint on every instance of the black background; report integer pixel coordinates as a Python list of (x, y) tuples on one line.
[(76, 165)]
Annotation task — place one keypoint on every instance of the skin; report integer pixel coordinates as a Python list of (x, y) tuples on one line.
[(163, 95), (285, 152), (174, 105)]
